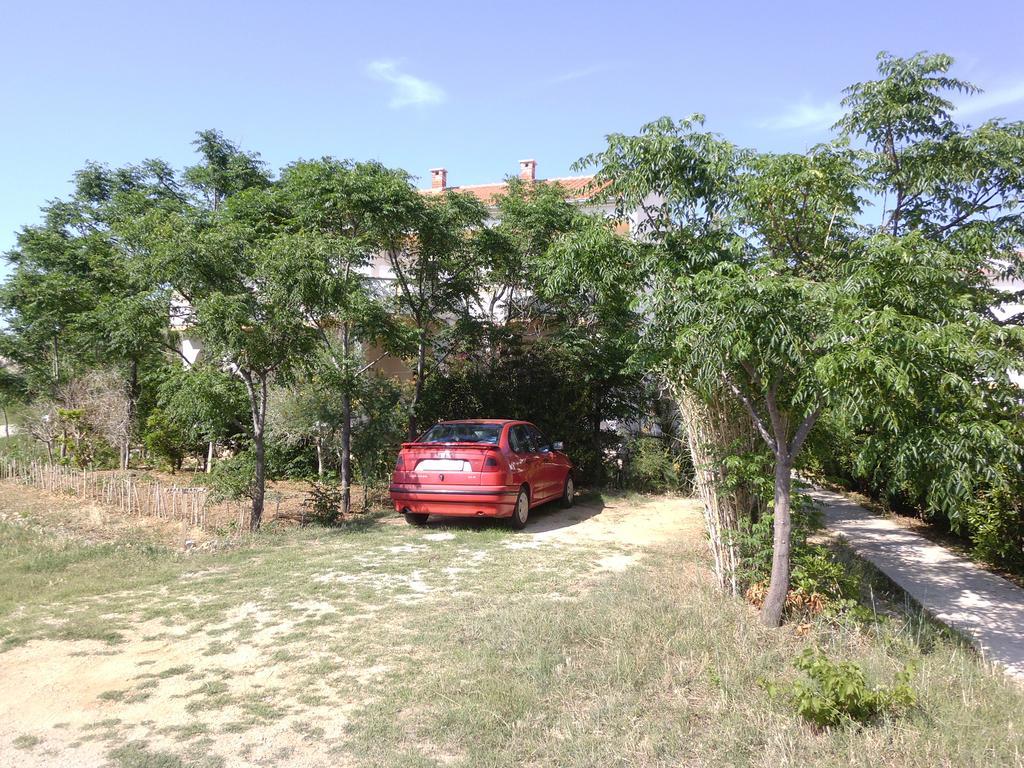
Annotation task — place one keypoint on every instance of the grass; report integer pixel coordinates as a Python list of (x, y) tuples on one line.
[(26, 741), (467, 645)]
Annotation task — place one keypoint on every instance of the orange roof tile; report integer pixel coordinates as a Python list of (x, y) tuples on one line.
[(575, 186)]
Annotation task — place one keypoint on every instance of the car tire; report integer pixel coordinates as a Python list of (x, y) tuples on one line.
[(416, 518), (568, 492), (521, 511)]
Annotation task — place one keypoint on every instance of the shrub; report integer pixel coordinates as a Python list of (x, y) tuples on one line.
[(233, 478), (837, 693), (996, 526), (652, 466), (819, 583), (323, 502), (164, 440)]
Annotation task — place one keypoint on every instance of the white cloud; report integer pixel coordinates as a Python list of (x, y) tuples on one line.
[(805, 116), (990, 100), (577, 74), (409, 90)]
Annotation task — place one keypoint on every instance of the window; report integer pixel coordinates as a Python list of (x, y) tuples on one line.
[(461, 432), (520, 440), (539, 441)]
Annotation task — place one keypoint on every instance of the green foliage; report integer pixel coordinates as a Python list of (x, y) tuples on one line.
[(21, 448), (995, 524), (818, 576), (760, 281), (543, 382), (837, 693), (164, 440), (233, 478), (379, 429), (653, 465), (82, 446), (202, 403), (323, 502)]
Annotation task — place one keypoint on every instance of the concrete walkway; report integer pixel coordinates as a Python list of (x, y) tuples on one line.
[(987, 609)]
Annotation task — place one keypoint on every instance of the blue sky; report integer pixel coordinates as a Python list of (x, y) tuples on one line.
[(472, 86)]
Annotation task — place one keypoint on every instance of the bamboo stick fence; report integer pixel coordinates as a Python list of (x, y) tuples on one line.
[(128, 494)]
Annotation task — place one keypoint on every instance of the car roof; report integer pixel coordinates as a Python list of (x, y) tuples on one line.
[(484, 421)]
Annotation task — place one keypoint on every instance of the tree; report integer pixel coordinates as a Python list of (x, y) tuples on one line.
[(219, 253), (431, 247), (759, 281), (78, 298), (529, 218), (247, 315), (677, 187), (953, 193), (339, 218)]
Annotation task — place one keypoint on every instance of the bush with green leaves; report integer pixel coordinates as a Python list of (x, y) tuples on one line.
[(82, 446), (323, 504), (819, 581), (549, 382), (942, 470), (233, 478), (164, 439), (653, 465), (837, 693)]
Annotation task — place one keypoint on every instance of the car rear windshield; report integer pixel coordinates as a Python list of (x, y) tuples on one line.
[(462, 433)]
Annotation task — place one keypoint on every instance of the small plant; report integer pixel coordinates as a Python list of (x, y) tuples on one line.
[(323, 502), (820, 582), (652, 466), (837, 693), (233, 478), (26, 741)]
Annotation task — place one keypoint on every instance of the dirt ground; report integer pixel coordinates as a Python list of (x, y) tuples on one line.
[(214, 669)]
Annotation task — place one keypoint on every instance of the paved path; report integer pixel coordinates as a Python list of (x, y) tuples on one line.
[(986, 608)]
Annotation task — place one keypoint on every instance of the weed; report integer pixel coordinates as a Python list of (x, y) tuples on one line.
[(26, 741)]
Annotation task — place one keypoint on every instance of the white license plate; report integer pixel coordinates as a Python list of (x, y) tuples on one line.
[(442, 465)]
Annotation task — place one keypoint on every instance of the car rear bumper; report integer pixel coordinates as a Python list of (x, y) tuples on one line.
[(467, 501)]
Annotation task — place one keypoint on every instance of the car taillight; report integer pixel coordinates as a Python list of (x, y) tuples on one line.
[(400, 464), (491, 464)]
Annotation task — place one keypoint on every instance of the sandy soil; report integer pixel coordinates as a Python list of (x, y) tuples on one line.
[(67, 690)]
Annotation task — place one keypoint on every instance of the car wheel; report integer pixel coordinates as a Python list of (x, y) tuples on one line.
[(521, 513), (569, 492), (416, 518)]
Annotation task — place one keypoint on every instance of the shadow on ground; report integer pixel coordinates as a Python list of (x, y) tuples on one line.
[(543, 519)]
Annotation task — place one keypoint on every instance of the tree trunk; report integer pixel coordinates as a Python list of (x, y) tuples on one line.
[(133, 407), (346, 428), (7, 426), (319, 457), (421, 369), (209, 456), (346, 454), (778, 587), (259, 481), (595, 440), (56, 361), (258, 402)]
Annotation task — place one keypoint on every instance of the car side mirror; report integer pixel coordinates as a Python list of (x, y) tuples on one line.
[(558, 445)]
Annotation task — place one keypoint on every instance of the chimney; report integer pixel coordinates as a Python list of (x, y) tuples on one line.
[(528, 170), (438, 178)]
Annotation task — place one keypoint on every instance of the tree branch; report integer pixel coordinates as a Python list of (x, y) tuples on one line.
[(754, 415), (804, 430)]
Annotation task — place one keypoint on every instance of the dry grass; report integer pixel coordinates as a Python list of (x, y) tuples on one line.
[(384, 645)]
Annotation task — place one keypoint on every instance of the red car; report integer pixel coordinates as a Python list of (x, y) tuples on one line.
[(480, 468)]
